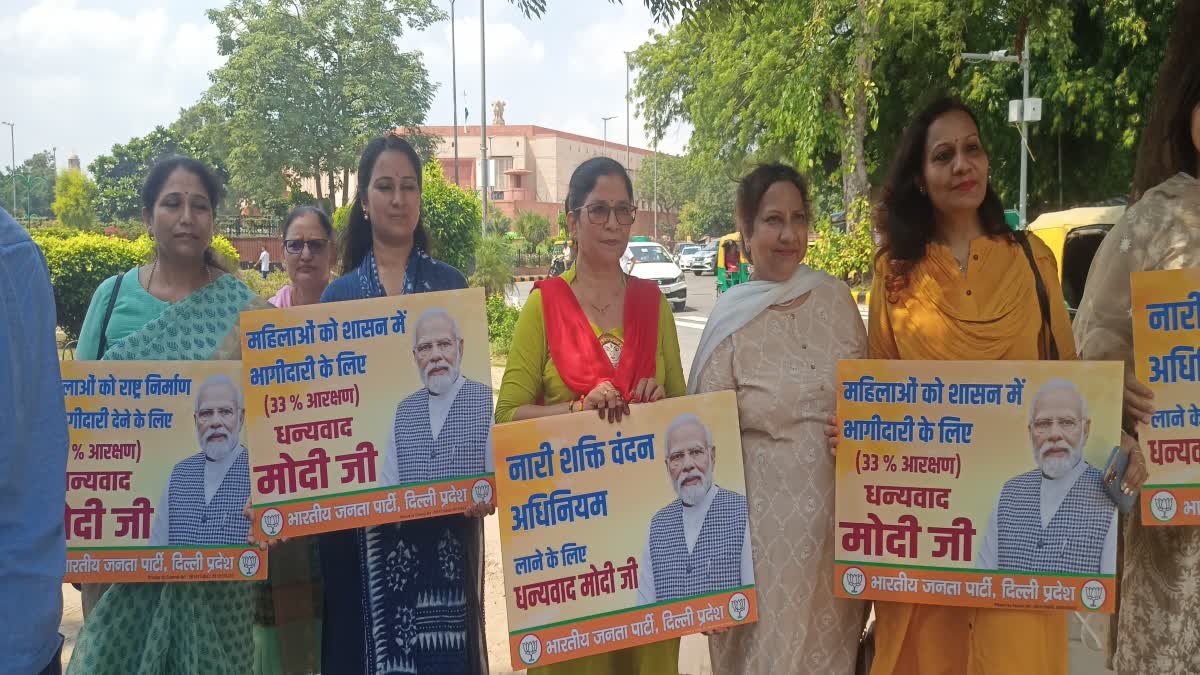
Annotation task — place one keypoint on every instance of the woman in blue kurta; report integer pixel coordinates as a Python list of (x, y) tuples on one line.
[(405, 597)]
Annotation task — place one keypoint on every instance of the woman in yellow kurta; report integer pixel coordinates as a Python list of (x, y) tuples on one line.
[(596, 339), (953, 283)]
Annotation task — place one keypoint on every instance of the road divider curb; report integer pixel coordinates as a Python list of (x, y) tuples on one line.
[(530, 277)]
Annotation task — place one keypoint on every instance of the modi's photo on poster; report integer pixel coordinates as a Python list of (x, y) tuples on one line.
[(158, 478), (367, 412), (978, 483)]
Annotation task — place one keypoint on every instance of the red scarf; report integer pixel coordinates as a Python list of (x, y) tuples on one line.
[(577, 353)]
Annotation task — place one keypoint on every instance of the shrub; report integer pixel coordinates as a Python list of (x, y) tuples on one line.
[(340, 217), (502, 321), (78, 265), (534, 227), (493, 265), (127, 229), (54, 232), (264, 288), (452, 216), (75, 200)]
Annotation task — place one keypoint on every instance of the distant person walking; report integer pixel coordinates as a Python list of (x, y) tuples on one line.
[(264, 262)]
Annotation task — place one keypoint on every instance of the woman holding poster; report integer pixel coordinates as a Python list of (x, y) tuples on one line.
[(780, 337), (952, 282), (375, 577), (1159, 232), (182, 306), (596, 339)]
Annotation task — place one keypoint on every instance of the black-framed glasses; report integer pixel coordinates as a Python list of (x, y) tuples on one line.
[(599, 212), (296, 246)]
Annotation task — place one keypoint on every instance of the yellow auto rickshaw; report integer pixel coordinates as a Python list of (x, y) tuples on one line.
[(727, 277), (1074, 236)]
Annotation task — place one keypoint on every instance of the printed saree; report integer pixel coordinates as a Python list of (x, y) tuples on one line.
[(176, 628)]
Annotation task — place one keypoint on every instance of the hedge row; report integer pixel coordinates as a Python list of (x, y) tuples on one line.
[(80, 261)]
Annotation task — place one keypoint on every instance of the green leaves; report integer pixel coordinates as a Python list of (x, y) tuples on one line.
[(75, 200), (493, 265), (534, 228), (452, 216), (308, 82)]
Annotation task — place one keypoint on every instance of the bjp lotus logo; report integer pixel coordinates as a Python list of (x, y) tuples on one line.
[(248, 563), (1163, 506), (530, 649), (854, 581), (1093, 595), (271, 522), (739, 607), (481, 492)]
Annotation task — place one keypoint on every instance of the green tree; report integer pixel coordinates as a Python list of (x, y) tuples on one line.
[(493, 265), (119, 175), (35, 186), (75, 200), (533, 227), (452, 215), (307, 82)]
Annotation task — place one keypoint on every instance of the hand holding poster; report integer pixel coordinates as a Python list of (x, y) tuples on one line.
[(599, 553), (1166, 339), (368, 412), (157, 479), (977, 483)]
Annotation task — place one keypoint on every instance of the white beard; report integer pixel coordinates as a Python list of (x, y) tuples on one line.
[(692, 494), (439, 385), (1057, 467), (218, 450)]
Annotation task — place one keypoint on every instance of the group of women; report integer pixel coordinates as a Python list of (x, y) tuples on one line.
[(951, 282)]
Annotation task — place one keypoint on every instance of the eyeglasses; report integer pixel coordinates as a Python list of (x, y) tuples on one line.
[(296, 246), (599, 212), (696, 452), (1067, 424), (206, 415)]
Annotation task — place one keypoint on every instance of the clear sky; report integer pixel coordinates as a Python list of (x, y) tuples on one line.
[(81, 75)]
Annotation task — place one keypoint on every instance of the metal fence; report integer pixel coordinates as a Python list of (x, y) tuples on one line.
[(526, 259), (236, 226)]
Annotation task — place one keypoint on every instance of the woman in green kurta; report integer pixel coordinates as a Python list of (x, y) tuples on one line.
[(596, 339), (183, 306)]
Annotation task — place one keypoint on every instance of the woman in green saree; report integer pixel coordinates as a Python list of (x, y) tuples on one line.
[(183, 306)]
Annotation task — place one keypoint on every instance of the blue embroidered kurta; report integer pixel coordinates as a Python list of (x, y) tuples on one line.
[(404, 597)]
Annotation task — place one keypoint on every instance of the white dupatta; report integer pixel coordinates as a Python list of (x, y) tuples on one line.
[(740, 304)]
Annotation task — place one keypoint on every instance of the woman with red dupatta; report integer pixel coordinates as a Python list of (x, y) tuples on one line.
[(595, 339)]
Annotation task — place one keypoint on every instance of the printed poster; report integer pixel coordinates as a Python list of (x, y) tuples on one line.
[(158, 478), (598, 551), (368, 412), (977, 484), (1166, 340)]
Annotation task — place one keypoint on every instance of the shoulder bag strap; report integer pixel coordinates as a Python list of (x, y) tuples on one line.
[(112, 302), (1043, 296)]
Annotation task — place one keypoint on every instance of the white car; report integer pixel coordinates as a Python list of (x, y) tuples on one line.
[(652, 261), (686, 253)]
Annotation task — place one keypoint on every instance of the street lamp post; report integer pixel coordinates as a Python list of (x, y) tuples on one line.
[(627, 160), (12, 137), (483, 153), (605, 120), (1028, 111), (454, 89)]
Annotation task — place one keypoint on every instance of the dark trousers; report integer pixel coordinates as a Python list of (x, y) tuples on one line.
[(264, 273)]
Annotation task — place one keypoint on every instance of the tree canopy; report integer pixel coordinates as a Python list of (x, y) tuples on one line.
[(35, 186)]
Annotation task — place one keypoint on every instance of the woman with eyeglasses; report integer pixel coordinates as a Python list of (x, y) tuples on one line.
[(287, 625), (595, 339), (308, 257)]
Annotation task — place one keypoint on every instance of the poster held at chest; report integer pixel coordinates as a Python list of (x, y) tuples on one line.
[(617, 535), (977, 484), (367, 412), (1166, 340), (157, 477)]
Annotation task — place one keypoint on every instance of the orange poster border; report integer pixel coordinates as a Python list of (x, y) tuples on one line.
[(870, 570), (587, 629), (1181, 500), (405, 509), (98, 556)]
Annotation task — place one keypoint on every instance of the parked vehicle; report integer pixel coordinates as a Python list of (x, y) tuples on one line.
[(727, 278), (684, 254), (652, 261), (704, 261), (1074, 236)]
